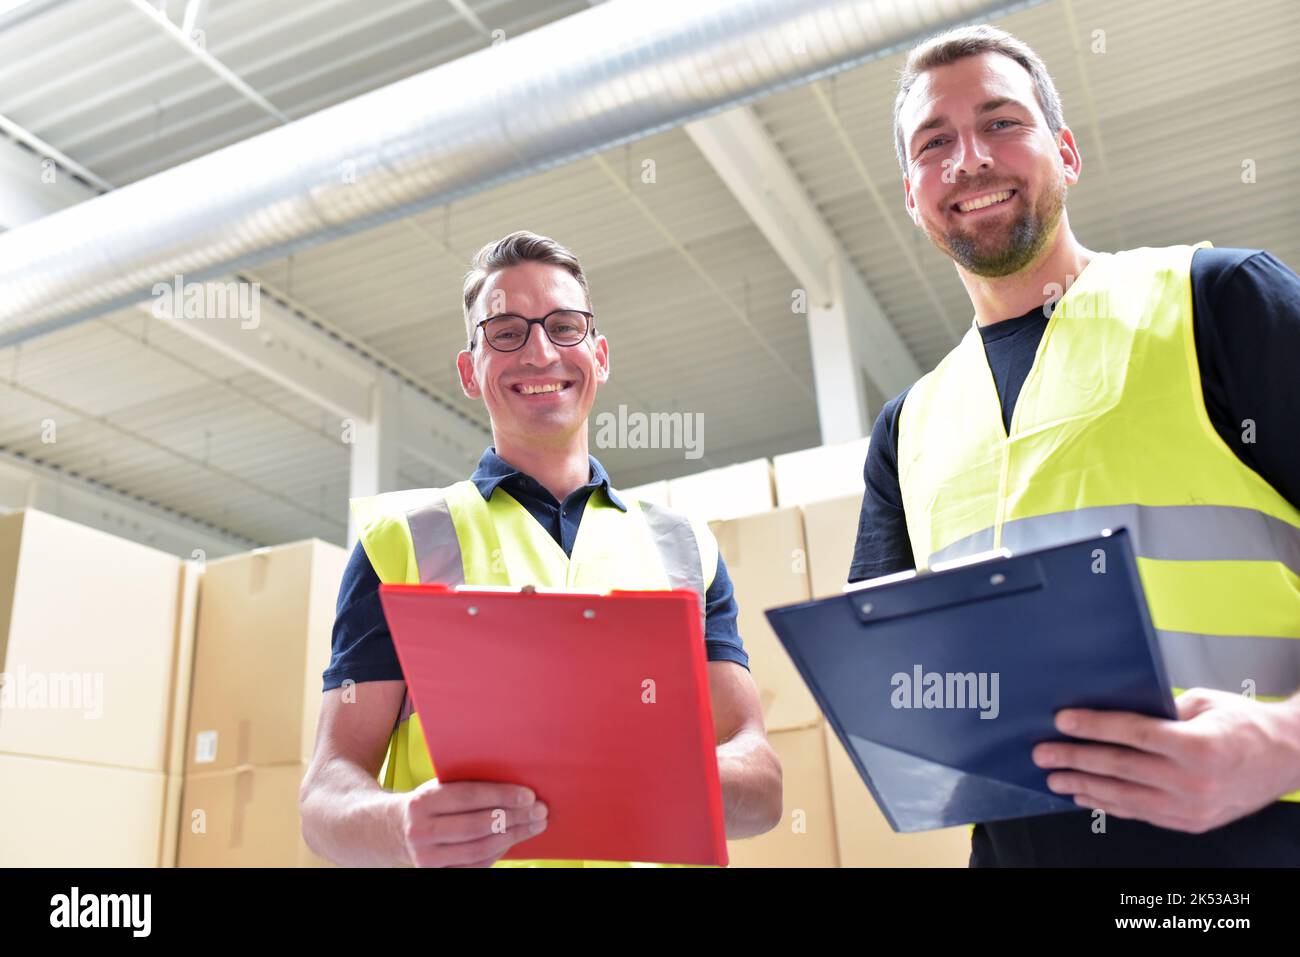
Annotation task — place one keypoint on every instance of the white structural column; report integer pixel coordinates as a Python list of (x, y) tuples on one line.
[(837, 340), (375, 444), (448, 444), (852, 340)]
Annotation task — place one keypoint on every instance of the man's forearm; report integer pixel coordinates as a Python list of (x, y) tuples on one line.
[(349, 819), (751, 785)]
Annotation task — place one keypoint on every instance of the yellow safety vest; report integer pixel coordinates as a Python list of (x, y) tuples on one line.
[(1111, 429), (453, 537)]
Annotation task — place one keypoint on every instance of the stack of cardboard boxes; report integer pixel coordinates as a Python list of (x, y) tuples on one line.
[(766, 558), (786, 530), (865, 837), (157, 712), (154, 711), (263, 640), (94, 661)]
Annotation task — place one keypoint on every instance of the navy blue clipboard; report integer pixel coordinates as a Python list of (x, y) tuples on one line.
[(940, 685)]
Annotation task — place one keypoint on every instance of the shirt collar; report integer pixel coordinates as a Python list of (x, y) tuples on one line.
[(492, 470)]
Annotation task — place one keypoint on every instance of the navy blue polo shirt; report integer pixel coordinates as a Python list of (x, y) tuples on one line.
[(363, 647)]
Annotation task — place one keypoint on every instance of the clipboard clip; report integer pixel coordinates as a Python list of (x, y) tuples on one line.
[(520, 590), (945, 585), (990, 555)]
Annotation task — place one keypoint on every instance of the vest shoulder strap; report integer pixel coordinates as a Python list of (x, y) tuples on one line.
[(386, 534), (1176, 257), (687, 545)]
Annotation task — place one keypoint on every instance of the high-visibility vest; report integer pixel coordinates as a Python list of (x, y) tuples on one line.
[(1111, 429), (453, 537)]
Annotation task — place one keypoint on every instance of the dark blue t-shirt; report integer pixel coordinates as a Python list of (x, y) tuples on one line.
[(363, 647), (1246, 321)]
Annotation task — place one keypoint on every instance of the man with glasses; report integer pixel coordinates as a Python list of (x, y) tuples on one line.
[(539, 510)]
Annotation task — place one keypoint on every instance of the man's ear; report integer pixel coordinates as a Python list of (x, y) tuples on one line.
[(465, 366), (909, 203), (1071, 158), (601, 351)]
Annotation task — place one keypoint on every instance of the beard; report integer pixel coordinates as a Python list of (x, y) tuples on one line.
[(996, 249)]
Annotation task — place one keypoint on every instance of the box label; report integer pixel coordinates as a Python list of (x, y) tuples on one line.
[(205, 747)]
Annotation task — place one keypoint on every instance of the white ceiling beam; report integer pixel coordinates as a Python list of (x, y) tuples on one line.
[(167, 73), (67, 162), (31, 187), (200, 53), (196, 17), (752, 167), (275, 344), (903, 243), (469, 16)]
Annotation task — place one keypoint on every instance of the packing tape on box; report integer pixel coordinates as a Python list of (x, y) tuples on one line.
[(243, 798), (257, 571)]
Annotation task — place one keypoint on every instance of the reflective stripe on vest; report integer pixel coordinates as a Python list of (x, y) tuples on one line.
[(678, 550), (1169, 532), (1267, 666), (1110, 429), (437, 550)]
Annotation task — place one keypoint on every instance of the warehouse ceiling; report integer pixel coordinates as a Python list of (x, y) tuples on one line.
[(1167, 101)]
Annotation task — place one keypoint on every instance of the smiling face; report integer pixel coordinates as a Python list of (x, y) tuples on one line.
[(986, 177), (542, 391)]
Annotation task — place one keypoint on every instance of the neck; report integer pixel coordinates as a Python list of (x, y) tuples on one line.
[(560, 466), (1048, 276)]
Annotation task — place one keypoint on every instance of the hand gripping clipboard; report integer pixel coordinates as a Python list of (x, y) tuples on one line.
[(599, 703), (1065, 626)]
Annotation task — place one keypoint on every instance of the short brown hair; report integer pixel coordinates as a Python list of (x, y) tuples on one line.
[(519, 247), (953, 45)]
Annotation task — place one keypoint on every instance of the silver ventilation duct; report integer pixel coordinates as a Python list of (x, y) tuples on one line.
[(608, 75)]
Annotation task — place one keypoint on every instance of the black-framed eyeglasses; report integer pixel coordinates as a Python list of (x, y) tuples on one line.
[(507, 333)]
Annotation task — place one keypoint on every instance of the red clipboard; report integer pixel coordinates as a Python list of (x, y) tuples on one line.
[(599, 703)]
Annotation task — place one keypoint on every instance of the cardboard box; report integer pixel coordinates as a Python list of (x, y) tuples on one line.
[(91, 647), (806, 835), (244, 817), (725, 493), (827, 471), (831, 530), (655, 492), (56, 813), (865, 837), (264, 624), (767, 562)]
